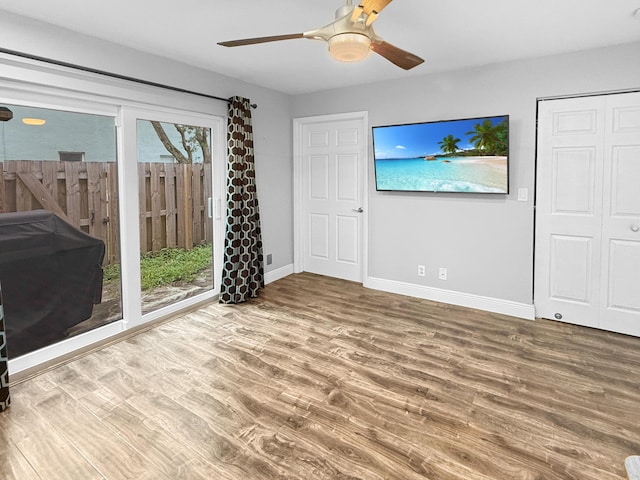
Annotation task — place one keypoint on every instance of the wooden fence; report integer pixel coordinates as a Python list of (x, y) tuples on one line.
[(173, 200)]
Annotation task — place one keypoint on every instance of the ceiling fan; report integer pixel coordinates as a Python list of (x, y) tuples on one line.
[(350, 36)]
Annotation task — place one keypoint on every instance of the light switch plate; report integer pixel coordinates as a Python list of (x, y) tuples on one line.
[(523, 194)]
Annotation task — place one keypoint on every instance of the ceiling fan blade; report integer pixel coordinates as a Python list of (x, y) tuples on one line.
[(395, 55), (253, 41), (370, 6)]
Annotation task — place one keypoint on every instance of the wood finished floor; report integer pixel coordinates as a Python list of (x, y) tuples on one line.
[(323, 379)]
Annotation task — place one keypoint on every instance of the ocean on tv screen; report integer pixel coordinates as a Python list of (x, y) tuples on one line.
[(483, 174)]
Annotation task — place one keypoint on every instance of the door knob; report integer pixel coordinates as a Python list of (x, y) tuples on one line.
[(635, 228), (360, 210)]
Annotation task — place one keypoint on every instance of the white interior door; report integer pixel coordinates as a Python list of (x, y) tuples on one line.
[(588, 212), (333, 170)]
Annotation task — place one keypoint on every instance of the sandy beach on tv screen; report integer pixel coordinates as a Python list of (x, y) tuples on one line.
[(492, 159), (495, 161)]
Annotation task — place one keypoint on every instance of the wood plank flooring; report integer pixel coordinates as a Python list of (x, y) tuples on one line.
[(320, 378)]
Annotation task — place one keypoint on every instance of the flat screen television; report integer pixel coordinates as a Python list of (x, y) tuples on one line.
[(468, 155)]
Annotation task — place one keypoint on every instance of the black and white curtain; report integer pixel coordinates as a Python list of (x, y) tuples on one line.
[(5, 400), (243, 268)]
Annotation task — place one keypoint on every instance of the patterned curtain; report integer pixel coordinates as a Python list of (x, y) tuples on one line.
[(243, 269), (4, 369)]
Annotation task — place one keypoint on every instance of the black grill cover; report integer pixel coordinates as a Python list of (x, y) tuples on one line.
[(51, 276)]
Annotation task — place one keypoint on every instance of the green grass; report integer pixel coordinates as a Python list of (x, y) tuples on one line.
[(167, 266)]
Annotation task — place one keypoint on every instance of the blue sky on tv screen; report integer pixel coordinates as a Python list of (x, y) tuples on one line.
[(421, 139)]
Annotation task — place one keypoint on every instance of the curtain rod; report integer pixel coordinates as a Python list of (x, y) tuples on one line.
[(113, 75)]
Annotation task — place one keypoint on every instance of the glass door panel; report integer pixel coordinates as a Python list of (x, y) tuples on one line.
[(176, 212), (59, 225)]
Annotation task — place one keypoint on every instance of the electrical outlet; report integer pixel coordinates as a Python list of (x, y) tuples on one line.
[(442, 273), (269, 259), (421, 271)]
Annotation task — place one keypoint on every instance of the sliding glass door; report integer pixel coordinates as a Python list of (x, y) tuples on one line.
[(178, 179), (59, 224), (110, 217), (175, 193)]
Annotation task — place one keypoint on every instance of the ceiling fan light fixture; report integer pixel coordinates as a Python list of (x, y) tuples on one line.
[(349, 47), (34, 121)]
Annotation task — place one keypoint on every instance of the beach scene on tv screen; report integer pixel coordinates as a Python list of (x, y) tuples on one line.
[(469, 155)]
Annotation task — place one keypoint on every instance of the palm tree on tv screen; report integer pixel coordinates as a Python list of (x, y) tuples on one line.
[(502, 138), (489, 138), (449, 144), (483, 136)]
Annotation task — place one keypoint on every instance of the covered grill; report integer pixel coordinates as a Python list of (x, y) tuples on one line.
[(51, 276)]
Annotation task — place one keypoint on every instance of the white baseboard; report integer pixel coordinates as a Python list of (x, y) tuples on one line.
[(278, 273), (495, 305)]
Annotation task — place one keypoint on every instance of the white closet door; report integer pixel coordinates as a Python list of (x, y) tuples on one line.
[(588, 212)]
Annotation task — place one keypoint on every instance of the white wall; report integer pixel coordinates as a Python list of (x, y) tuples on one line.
[(271, 120), (486, 242)]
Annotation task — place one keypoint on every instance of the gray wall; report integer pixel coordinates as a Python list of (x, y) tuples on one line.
[(485, 242), (271, 120)]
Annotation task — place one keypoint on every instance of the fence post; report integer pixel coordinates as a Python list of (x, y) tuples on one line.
[(170, 202), (112, 213), (187, 205)]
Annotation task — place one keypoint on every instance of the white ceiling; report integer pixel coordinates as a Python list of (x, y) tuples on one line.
[(448, 34)]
